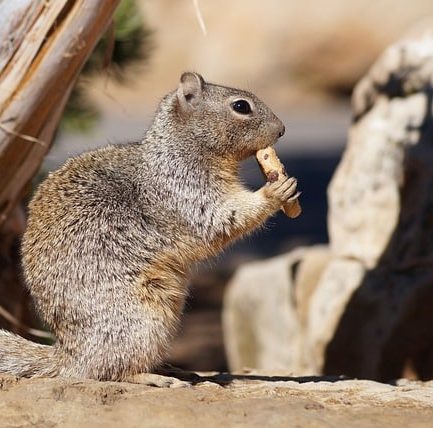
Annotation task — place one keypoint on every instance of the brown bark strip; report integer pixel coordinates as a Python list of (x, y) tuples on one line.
[(35, 84)]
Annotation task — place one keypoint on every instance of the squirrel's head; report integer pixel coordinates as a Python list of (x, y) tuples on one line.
[(226, 121)]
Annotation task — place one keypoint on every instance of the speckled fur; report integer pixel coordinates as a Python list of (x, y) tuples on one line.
[(111, 234)]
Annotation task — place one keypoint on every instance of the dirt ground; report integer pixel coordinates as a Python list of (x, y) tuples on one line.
[(217, 400)]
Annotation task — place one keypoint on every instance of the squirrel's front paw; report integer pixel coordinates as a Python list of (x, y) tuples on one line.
[(282, 191)]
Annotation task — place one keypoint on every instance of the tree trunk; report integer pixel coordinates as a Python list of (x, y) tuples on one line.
[(43, 46)]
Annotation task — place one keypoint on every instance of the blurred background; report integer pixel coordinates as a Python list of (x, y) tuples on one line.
[(301, 58)]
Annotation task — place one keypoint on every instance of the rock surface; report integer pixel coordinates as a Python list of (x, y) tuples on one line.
[(369, 316), (254, 336), (243, 400), (366, 312), (265, 312)]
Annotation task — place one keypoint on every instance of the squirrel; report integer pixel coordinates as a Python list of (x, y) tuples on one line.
[(112, 234)]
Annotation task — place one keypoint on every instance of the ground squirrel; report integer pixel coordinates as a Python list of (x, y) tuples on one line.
[(111, 234)]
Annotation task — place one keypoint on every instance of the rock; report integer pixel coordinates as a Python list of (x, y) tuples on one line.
[(366, 309), (253, 399), (314, 261), (375, 324), (264, 310), (365, 191), (261, 328), (338, 282)]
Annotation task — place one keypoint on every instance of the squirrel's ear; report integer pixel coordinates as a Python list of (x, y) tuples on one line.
[(190, 90)]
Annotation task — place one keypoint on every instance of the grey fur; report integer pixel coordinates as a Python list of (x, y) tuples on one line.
[(112, 234)]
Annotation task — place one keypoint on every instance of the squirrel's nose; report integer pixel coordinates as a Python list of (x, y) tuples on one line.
[(283, 130)]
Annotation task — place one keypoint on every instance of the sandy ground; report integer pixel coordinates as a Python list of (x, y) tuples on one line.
[(247, 400)]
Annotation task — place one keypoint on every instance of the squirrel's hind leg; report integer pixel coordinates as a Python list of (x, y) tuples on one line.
[(166, 376), (157, 380)]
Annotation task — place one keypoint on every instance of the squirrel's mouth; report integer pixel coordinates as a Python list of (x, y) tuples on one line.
[(271, 142), (260, 144)]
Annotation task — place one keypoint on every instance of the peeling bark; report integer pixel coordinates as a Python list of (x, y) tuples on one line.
[(42, 52)]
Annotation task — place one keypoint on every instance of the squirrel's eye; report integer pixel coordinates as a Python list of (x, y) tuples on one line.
[(241, 106)]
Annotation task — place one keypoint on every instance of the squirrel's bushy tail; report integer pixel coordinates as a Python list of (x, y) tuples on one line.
[(21, 357)]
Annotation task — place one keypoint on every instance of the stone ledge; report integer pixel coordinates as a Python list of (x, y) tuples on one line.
[(217, 399)]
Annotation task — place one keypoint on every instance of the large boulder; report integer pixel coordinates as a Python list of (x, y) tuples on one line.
[(265, 311), (367, 310), (380, 228)]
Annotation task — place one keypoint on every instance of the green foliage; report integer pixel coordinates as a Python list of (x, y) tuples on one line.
[(80, 114), (131, 42), (126, 43)]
